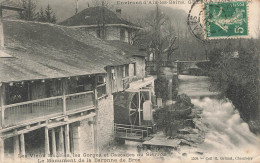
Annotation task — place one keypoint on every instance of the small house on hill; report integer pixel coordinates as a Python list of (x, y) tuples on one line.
[(103, 23)]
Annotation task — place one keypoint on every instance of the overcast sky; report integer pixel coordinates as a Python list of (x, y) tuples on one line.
[(66, 8)]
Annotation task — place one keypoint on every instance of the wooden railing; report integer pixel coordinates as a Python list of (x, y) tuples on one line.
[(79, 100), (127, 80), (44, 108), (162, 63), (101, 90), (132, 130)]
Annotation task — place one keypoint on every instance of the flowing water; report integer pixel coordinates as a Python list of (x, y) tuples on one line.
[(227, 136)]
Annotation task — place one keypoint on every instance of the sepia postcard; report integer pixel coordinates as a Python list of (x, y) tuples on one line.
[(129, 81)]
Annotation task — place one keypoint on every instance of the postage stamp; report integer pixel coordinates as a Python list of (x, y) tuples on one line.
[(225, 20)]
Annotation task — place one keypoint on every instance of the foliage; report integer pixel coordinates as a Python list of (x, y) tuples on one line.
[(161, 88), (237, 77), (160, 36), (171, 118), (30, 13), (49, 15), (41, 16)]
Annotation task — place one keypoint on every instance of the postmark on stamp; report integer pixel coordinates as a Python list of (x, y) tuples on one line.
[(225, 20)]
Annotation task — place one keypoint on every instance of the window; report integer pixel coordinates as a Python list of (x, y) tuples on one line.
[(98, 33), (101, 80), (132, 69), (122, 34), (101, 86), (17, 93), (113, 74), (101, 33), (125, 71), (80, 84)]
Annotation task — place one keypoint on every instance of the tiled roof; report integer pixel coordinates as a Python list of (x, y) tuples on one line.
[(129, 50), (9, 3), (42, 50), (96, 16)]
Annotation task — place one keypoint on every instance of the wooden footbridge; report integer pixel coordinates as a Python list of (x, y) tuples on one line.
[(135, 133)]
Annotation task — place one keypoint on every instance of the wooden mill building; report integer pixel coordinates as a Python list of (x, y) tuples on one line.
[(57, 85)]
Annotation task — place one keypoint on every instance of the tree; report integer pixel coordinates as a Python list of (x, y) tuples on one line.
[(29, 12), (47, 16), (160, 33), (54, 19), (237, 77), (41, 16), (48, 13)]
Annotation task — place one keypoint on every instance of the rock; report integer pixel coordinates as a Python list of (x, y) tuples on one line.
[(184, 131), (184, 142), (183, 100), (199, 153), (188, 131), (196, 131), (192, 138)]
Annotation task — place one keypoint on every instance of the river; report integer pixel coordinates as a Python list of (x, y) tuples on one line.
[(227, 136)]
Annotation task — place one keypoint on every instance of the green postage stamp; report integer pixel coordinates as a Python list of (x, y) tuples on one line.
[(226, 19)]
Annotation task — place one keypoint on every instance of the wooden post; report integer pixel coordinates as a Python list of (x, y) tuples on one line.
[(2, 150), (96, 150), (47, 146), (53, 138), (67, 139), (76, 138), (71, 139), (2, 100), (93, 134), (22, 144), (150, 95), (16, 147), (1, 29), (61, 141), (64, 87), (139, 107), (95, 92)]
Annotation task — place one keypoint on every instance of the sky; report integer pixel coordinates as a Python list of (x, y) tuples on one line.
[(66, 8)]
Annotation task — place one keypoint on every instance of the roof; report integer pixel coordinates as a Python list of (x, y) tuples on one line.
[(93, 17), (9, 4), (127, 49), (42, 51)]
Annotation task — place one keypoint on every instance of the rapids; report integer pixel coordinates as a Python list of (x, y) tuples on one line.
[(226, 134)]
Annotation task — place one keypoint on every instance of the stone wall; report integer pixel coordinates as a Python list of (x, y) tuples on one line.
[(140, 66), (112, 33), (102, 126), (85, 133), (105, 122)]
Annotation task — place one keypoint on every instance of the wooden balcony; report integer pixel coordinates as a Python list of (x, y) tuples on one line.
[(128, 80), (44, 109)]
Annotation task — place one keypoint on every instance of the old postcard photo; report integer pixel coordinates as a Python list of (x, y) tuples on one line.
[(129, 81)]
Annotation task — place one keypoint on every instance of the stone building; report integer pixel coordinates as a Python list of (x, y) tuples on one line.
[(103, 23), (110, 27)]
